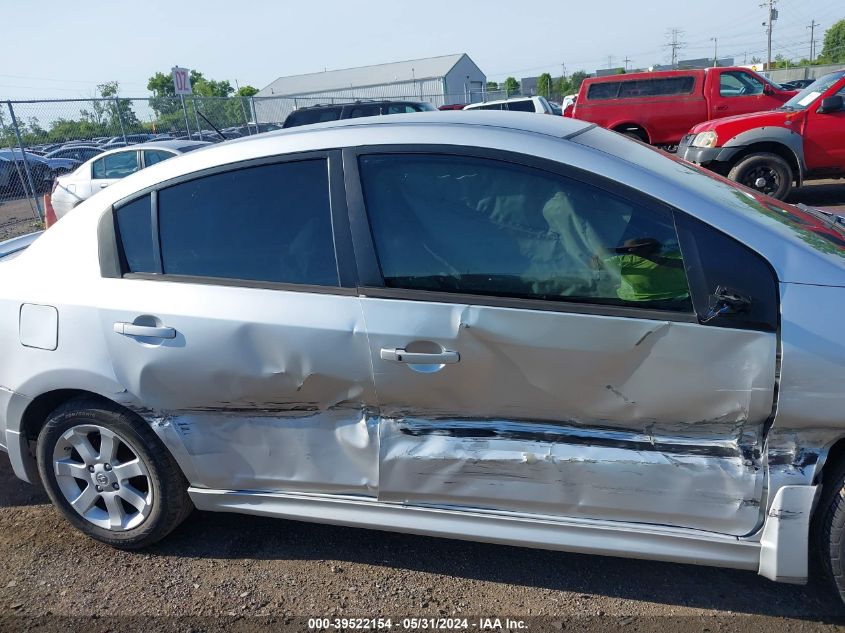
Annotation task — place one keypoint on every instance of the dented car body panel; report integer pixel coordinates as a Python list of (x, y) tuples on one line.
[(596, 428)]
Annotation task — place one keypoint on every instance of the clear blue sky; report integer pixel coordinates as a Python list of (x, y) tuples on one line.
[(64, 49)]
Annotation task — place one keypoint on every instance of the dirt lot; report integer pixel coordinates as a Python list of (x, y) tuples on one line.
[(227, 572)]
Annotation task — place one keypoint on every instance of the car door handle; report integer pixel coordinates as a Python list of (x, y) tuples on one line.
[(150, 331), (720, 108), (399, 355), (103, 185)]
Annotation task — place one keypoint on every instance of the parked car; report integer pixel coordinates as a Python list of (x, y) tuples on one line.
[(39, 169), (420, 323), (772, 151), (452, 106), (538, 105), (661, 107), (79, 153), (107, 168), (556, 109), (323, 113), (797, 84)]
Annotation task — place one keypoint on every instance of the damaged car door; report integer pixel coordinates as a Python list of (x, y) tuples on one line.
[(548, 342), (232, 328)]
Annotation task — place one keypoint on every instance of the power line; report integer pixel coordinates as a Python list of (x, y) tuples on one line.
[(675, 44), (812, 28)]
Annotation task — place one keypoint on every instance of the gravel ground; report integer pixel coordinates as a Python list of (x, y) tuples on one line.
[(224, 571), (221, 572)]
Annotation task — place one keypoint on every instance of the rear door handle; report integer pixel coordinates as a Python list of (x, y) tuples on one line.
[(721, 108), (399, 355), (150, 331)]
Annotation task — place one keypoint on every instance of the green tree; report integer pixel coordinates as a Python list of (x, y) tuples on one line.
[(511, 85), (575, 80), (246, 91), (544, 85), (492, 85), (833, 51)]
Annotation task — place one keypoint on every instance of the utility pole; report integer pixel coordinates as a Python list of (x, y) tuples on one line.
[(610, 61), (715, 41), (769, 24), (627, 63), (812, 28), (675, 44), (563, 68)]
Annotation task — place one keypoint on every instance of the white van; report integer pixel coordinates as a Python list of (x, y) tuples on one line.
[(516, 104)]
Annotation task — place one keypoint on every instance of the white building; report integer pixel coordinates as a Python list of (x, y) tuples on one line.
[(438, 80)]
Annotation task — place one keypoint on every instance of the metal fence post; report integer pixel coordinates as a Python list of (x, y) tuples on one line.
[(38, 213), (254, 115), (119, 118), (246, 117), (196, 116), (185, 112)]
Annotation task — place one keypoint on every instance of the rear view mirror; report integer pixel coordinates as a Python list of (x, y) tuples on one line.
[(767, 89), (830, 104)]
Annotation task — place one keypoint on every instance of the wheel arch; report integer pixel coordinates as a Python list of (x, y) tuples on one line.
[(633, 127), (785, 143)]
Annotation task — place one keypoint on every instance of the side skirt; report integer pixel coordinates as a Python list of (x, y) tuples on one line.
[(587, 536)]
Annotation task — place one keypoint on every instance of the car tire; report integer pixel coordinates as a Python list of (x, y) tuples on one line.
[(829, 530), (109, 475), (767, 173)]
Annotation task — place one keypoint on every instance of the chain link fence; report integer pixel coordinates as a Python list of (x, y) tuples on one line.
[(43, 139)]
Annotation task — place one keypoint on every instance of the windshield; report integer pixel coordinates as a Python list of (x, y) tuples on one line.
[(808, 95)]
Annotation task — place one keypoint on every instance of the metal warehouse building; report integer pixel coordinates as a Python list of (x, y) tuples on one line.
[(438, 80)]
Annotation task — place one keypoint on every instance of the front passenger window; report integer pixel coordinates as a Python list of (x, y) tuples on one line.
[(480, 226)]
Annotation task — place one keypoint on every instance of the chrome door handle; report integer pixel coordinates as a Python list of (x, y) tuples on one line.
[(150, 331), (399, 355), (103, 185)]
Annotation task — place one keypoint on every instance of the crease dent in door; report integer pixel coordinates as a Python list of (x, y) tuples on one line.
[(317, 433), (640, 444)]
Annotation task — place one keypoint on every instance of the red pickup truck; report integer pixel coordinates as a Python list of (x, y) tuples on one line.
[(770, 151), (661, 107)]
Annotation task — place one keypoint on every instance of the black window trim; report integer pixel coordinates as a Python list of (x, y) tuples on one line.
[(369, 270), (113, 260)]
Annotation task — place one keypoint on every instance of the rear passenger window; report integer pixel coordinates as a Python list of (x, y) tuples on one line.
[(136, 235), (117, 165), (521, 106), (270, 223), (480, 226)]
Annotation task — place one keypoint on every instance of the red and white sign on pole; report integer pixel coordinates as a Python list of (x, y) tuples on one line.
[(182, 80)]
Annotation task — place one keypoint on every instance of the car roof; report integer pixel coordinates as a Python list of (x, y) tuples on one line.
[(483, 103), (173, 145)]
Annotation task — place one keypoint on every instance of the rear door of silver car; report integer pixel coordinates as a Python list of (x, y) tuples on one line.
[(236, 333), (539, 347)]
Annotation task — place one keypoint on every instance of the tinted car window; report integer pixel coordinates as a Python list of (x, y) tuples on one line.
[(656, 87), (312, 115), (481, 226), (269, 223), (521, 106), (136, 236), (153, 156), (117, 165), (604, 90), (401, 108), (739, 84), (360, 111)]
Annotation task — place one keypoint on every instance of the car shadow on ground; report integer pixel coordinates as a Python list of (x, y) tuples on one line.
[(236, 536), (231, 536), (830, 193)]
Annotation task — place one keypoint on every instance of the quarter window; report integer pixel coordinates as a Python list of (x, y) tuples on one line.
[(153, 156), (480, 226), (136, 235), (526, 105), (269, 223), (117, 165)]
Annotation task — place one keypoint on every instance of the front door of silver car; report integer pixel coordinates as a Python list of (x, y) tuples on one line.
[(547, 342), (232, 328)]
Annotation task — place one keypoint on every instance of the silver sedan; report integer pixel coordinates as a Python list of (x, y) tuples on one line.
[(523, 330)]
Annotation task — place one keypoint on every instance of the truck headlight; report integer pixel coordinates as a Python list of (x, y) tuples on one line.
[(705, 139)]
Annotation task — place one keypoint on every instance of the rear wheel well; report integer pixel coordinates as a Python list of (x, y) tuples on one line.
[(633, 130), (36, 413), (770, 148)]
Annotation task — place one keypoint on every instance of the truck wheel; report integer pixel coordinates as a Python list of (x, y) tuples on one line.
[(109, 475), (767, 173), (829, 530)]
